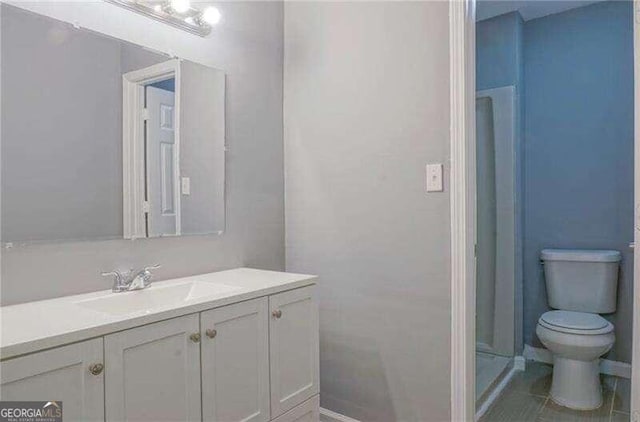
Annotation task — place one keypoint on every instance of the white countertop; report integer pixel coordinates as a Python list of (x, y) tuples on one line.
[(32, 326)]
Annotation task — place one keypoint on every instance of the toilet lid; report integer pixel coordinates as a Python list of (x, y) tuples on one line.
[(575, 322)]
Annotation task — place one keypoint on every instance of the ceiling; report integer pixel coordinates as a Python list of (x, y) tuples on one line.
[(529, 9)]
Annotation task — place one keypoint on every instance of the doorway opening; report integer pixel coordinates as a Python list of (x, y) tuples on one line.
[(472, 224), (151, 151)]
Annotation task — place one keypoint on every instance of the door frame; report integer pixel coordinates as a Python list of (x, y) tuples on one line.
[(463, 231), (462, 86), (635, 354), (133, 151)]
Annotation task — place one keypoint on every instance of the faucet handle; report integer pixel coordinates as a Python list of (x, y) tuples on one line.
[(119, 283), (117, 274), (152, 267)]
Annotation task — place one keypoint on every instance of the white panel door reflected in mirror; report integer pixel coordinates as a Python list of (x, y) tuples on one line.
[(105, 139), (162, 169)]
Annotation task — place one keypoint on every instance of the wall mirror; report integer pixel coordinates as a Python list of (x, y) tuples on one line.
[(104, 139)]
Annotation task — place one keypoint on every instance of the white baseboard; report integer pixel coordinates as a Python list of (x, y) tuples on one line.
[(607, 367), (537, 354), (519, 363), (616, 368), (496, 392), (327, 415)]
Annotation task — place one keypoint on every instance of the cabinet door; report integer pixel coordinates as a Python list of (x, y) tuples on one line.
[(308, 411), (235, 362), (293, 344), (153, 372), (60, 374)]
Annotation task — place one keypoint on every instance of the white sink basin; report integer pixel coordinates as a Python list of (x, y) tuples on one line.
[(155, 297)]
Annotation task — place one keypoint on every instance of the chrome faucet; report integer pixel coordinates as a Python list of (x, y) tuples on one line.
[(131, 280)]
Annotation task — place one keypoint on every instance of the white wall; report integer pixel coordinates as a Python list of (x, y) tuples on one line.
[(366, 107), (248, 47)]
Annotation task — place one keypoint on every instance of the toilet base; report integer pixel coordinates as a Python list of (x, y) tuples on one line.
[(576, 384)]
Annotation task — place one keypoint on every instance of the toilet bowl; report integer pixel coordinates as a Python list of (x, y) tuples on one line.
[(576, 340), (581, 284)]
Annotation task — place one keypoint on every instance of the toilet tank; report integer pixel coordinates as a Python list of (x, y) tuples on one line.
[(581, 280)]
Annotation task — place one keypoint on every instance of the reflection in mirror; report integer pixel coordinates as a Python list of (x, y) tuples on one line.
[(163, 213), (104, 139)]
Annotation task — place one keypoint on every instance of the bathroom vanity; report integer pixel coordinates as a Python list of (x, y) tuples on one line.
[(131, 143), (237, 345)]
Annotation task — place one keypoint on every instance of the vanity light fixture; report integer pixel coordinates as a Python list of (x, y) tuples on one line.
[(180, 6), (211, 15), (177, 13)]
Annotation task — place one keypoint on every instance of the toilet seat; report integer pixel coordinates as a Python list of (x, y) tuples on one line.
[(571, 322)]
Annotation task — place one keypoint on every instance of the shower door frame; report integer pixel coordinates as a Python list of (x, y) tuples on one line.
[(505, 134), (462, 202), (635, 354)]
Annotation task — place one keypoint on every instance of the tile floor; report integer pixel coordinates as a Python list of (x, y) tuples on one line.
[(488, 368), (526, 399)]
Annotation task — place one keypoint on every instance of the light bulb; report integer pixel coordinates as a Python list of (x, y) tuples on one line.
[(180, 6), (211, 15)]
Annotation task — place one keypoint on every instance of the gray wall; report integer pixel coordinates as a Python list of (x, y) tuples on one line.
[(579, 148), (366, 107), (61, 130), (248, 47), (202, 148), (134, 57)]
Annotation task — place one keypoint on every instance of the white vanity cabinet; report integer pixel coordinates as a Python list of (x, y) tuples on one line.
[(244, 357), (235, 362), (72, 374), (293, 342), (309, 411), (152, 373)]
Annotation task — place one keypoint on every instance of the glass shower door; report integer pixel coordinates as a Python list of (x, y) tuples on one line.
[(485, 224), (495, 231)]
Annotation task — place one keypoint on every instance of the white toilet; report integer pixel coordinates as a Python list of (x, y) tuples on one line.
[(580, 285)]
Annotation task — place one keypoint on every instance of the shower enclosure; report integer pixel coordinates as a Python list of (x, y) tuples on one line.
[(496, 235)]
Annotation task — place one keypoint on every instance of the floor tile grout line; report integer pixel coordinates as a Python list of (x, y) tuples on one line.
[(613, 399), (620, 412), (546, 400)]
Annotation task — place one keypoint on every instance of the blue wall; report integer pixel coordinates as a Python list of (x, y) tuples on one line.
[(499, 62), (499, 51), (167, 85), (578, 186)]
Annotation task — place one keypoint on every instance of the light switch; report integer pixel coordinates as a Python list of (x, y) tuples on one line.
[(186, 185), (434, 178)]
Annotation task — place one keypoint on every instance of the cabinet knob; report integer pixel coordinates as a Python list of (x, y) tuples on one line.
[(96, 368), (195, 337), (277, 313), (211, 333)]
